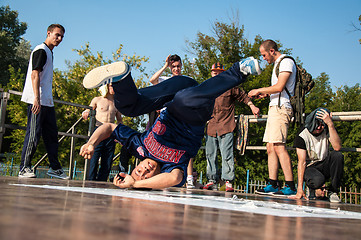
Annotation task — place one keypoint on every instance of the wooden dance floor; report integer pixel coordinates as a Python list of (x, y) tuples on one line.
[(56, 209)]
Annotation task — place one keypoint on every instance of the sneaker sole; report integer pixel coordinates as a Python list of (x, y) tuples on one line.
[(105, 74), (26, 176), (56, 176), (264, 193), (280, 194), (256, 65)]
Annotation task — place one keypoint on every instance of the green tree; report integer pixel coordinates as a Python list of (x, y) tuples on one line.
[(13, 49), (67, 86), (349, 99), (321, 94), (228, 45)]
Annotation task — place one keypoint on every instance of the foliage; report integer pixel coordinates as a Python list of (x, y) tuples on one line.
[(349, 99), (321, 94), (227, 44), (14, 50), (67, 86)]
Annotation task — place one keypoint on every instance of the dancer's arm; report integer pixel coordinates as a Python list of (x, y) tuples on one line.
[(162, 180), (101, 133)]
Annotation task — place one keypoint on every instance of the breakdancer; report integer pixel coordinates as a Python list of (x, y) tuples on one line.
[(177, 134)]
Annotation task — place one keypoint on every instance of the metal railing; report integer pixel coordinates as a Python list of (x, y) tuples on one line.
[(5, 96), (336, 116)]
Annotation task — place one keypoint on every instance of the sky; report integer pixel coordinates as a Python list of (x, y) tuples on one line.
[(319, 32)]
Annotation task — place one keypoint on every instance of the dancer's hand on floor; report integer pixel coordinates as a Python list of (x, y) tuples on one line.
[(123, 180)]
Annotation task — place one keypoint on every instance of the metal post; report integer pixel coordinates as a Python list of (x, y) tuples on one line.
[(72, 146), (61, 139), (92, 121), (90, 132), (247, 181), (4, 101), (74, 171), (12, 164)]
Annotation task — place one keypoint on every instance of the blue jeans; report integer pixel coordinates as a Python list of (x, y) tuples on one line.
[(225, 144), (185, 99), (105, 151)]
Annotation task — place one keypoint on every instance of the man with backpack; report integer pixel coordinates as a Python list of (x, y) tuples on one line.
[(279, 117)]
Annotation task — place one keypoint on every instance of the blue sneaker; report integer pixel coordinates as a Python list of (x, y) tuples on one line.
[(250, 66), (106, 74), (286, 191), (268, 190)]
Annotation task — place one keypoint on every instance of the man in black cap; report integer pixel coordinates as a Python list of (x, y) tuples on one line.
[(316, 163)]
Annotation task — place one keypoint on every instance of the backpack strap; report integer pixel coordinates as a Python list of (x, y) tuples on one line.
[(277, 71)]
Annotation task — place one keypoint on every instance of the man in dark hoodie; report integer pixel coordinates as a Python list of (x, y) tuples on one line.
[(316, 163)]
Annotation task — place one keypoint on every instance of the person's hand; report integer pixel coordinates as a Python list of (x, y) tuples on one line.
[(123, 180), (255, 93), (85, 114), (262, 96), (167, 61), (255, 110), (323, 114), (299, 195), (87, 151), (36, 106)]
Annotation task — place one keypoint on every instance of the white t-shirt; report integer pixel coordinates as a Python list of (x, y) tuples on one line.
[(161, 79), (286, 65), (46, 79), (317, 147)]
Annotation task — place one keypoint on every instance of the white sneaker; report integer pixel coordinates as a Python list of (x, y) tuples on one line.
[(250, 66), (190, 182), (26, 172), (57, 173), (109, 73), (334, 198)]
